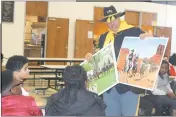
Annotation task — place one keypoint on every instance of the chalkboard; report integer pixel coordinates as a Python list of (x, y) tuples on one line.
[(7, 9)]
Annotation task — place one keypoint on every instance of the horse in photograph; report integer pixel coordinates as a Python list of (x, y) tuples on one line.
[(107, 67), (145, 69), (131, 67), (90, 75), (135, 65)]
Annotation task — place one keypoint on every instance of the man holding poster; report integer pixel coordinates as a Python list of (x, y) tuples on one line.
[(121, 100)]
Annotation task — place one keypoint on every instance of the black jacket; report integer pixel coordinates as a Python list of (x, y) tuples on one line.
[(119, 37), (86, 104)]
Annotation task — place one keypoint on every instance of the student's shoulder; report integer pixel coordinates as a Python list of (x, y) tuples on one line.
[(56, 95)]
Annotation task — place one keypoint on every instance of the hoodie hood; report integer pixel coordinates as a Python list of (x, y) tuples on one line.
[(85, 101)]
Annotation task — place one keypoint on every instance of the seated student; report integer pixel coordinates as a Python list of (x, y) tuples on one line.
[(162, 94), (19, 65), (172, 61), (74, 99), (13, 103)]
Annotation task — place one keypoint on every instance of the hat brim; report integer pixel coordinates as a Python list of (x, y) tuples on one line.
[(116, 16)]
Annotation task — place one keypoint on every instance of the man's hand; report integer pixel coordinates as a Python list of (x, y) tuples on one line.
[(88, 56), (146, 34), (171, 95)]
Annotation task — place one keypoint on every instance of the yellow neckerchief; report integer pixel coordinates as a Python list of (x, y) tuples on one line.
[(110, 35)]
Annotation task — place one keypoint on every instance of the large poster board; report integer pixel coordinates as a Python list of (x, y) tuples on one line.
[(139, 61), (101, 70)]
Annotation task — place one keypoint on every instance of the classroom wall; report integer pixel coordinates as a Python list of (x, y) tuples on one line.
[(14, 32), (171, 22), (85, 11)]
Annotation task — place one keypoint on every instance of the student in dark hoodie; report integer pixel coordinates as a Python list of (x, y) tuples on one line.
[(74, 99)]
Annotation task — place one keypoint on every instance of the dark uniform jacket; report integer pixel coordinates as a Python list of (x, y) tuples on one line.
[(118, 39)]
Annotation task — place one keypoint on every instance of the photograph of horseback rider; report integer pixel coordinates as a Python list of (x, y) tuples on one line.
[(130, 60)]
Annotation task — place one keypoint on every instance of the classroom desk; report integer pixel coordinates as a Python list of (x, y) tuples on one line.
[(70, 60), (56, 68)]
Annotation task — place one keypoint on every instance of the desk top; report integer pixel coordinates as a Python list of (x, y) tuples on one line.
[(54, 66), (58, 59)]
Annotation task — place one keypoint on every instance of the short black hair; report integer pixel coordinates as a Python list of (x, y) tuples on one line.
[(16, 63), (7, 80), (172, 59)]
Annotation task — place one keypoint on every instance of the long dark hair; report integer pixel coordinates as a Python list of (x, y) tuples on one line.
[(75, 79)]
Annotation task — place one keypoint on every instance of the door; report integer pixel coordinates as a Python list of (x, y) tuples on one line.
[(99, 27), (57, 38), (84, 38)]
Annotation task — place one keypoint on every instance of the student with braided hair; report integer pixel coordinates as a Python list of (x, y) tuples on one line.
[(74, 99)]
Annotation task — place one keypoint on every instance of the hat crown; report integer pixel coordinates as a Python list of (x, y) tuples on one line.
[(109, 11)]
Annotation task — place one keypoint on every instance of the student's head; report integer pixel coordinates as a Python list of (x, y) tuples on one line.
[(172, 59), (19, 65), (10, 86), (75, 78), (164, 69)]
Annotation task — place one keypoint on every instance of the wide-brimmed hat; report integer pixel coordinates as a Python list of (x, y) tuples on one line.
[(111, 14)]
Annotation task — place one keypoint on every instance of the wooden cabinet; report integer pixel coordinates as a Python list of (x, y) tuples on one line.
[(132, 17), (98, 13), (139, 19), (149, 19), (37, 8), (99, 27)]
